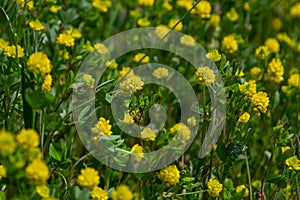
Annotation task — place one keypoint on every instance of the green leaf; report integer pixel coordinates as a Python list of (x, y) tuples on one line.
[(279, 180), (2, 196), (55, 153), (222, 152), (38, 99)]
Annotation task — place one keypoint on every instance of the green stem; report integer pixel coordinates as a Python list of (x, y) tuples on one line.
[(249, 175)]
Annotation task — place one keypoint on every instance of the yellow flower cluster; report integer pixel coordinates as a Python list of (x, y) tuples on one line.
[(7, 143), (28, 4), (214, 55), (131, 84), (275, 70), (112, 64), (3, 44), (187, 4), (102, 128), (262, 52), (122, 192), (55, 9), (187, 40), (283, 37), (295, 10), (205, 75), (89, 80), (192, 121), (36, 25), (37, 172), (173, 22), (138, 58), (232, 15), (47, 83), (138, 150), (241, 188), (183, 132), (99, 194), (170, 175), (230, 44), (248, 88), (43, 191), (146, 2), (27, 139), (39, 63), (101, 48), (214, 187), (203, 9), (88, 177), (2, 172), (148, 134), (13, 52), (124, 71), (293, 163), (143, 22), (273, 45), (160, 73), (244, 118), (294, 80), (65, 39), (102, 5), (214, 20), (256, 73), (260, 102)]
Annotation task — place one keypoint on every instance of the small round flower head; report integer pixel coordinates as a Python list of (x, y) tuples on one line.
[(98, 193), (75, 33), (256, 184), (11, 51), (273, 45), (295, 10), (205, 75), (102, 128), (170, 175), (138, 152), (246, 6), (161, 31), (187, 4), (285, 148), (275, 70), (7, 143), (183, 133), (102, 5), (214, 187), (239, 73), (36, 25), (2, 172), (230, 44), (293, 163), (276, 23), (141, 57), (88, 80), (88, 177), (112, 64), (248, 88), (101, 48), (143, 22), (27, 139), (55, 9), (187, 40), (124, 71), (160, 73), (173, 22), (47, 83), (146, 2), (232, 15), (65, 39), (43, 191), (262, 52), (39, 63), (214, 20), (256, 73), (3, 44), (244, 118), (214, 55), (241, 188), (192, 121), (130, 84), (283, 37), (122, 192), (203, 8), (37, 172), (260, 102), (23, 3), (148, 134), (294, 80)]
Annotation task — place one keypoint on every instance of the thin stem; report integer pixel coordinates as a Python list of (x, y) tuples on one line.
[(249, 176), (263, 196)]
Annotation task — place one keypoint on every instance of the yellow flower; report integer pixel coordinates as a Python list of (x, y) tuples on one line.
[(43, 191), (89, 80), (88, 46), (101, 48), (284, 148), (244, 118), (33, 153), (184, 133), (138, 58), (230, 44), (102, 5), (65, 39), (64, 54), (232, 15), (173, 22), (187, 4), (276, 23), (256, 184), (187, 40), (28, 3), (295, 10), (146, 2), (3, 44), (102, 128), (36, 25), (214, 187), (148, 134), (256, 73), (205, 75), (262, 52), (135, 13), (293, 163), (88, 177), (260, 102), (160, 73), (130, 84), (39, 63), (214, 20), (127, 118), (283, 37), (294, 80), (37, 172), (170, 175), (11, 51), (75, 33), (7, 143), (2, 172), (112, 64), (122, 193), (248, 88), (138, 150), (144, 22), (167, 5), (55, 9), (246, 6), (239, 73), (161, 31), (192, 121), (275, 70), (99, 194), (27, 139), (203, 9), (124, 71), (240, 188), (273, 45), (214, 55), (47, 83)]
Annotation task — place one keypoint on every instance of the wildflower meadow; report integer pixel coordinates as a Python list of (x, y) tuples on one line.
[(149, 99)]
